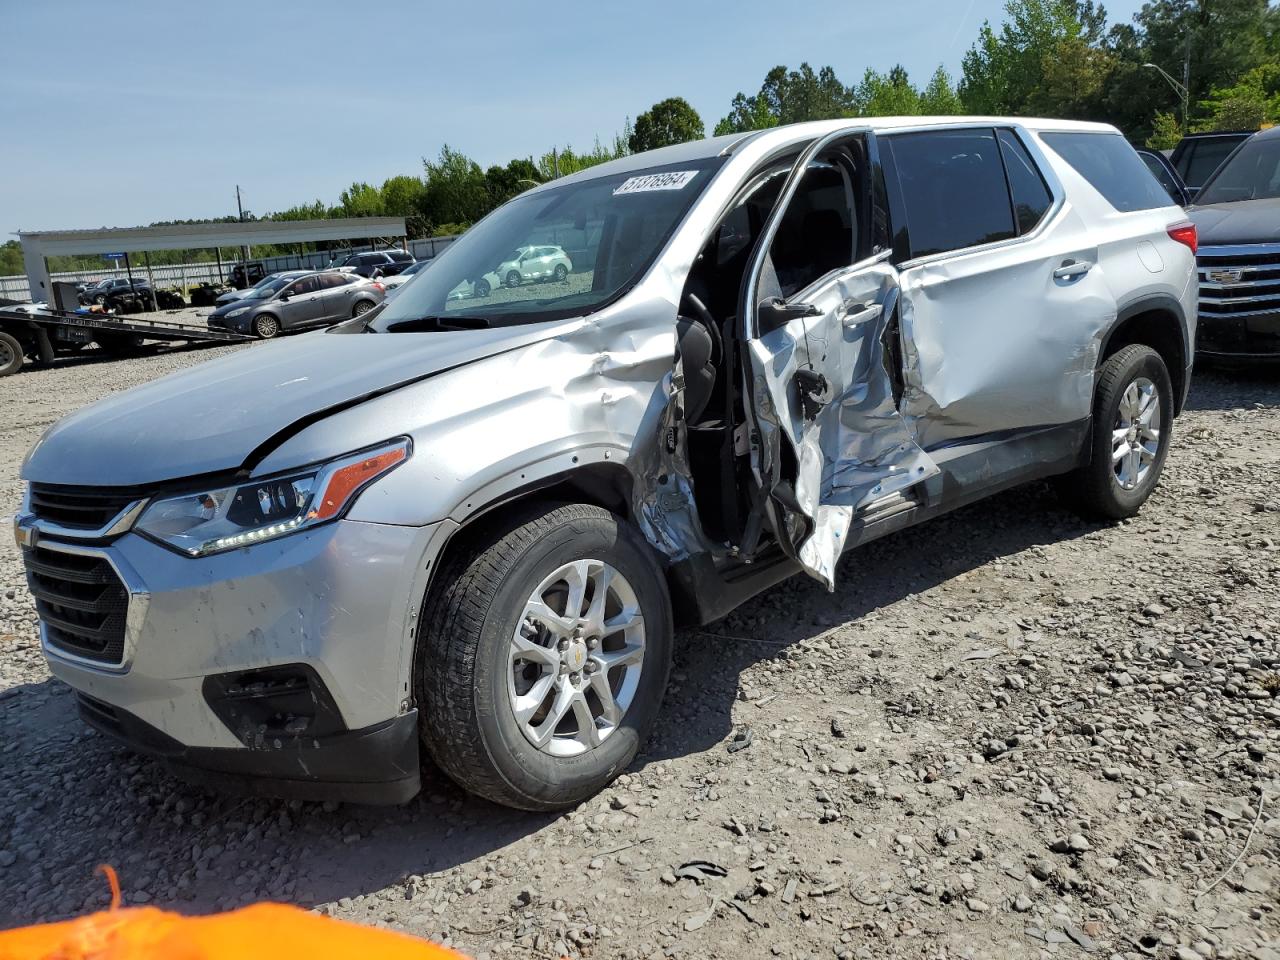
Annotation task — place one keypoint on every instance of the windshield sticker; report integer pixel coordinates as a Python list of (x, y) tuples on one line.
[(676, 180)]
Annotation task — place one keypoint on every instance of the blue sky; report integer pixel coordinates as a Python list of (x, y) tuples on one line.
[(119, 114)]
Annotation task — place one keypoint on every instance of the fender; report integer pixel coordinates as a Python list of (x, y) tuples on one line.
[(1157, 303)]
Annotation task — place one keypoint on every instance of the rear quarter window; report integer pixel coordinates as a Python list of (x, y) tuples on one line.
[(1112, 167)]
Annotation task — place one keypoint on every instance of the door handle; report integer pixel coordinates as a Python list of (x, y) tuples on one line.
[(856, 312), (1072, 269)]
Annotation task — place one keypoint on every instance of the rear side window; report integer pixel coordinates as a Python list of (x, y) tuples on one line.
[(953, 189), (1202, 157), (1031, 198), (1112, 167)]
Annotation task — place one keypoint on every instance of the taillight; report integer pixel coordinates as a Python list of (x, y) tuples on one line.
[(1185, 233), (383, 289)]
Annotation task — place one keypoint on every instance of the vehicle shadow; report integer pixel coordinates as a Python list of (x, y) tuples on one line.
[(1236, 386), (196, 851)]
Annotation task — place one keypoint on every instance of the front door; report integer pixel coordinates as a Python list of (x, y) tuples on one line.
[(828, 438), (303, 304)]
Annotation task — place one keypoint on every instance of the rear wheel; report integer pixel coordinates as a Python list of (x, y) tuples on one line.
[(11, 355), (1132, 421), (544, 655), (361, 308), (265, 326)]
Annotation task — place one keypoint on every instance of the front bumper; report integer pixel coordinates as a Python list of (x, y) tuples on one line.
[(375, 765), (337, 602), (1239, 338)]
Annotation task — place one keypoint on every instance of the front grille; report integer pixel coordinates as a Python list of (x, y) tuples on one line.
[(1239, 281), (85, 508), (81, 602)]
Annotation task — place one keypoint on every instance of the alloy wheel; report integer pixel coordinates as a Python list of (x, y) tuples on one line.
[(1135, 437), (266, 326), (575, 658), (363, 307)]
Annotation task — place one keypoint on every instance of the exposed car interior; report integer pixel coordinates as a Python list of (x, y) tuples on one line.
[(822, 230)]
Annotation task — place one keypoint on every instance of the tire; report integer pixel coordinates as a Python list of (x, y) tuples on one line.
[(512, 278), (361, 308), (1124, 467), (100, 300), (266, 326), (561, 272), (11, 355), (120, 344), (467, 669), (482, 288)]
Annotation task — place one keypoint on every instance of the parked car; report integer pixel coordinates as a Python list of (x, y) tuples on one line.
[(379, 263), (297, 302), (1197, 155), (103, 290), (471, 525), (396, 281), (245, 275), (1237, 213), (231, 295)]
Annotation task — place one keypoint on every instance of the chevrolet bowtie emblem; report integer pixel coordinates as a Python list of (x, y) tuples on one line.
[(1226, 276)]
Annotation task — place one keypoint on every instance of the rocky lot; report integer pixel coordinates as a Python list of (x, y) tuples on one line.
[(1007, 733)]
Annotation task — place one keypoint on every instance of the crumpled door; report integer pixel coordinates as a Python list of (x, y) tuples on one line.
[(830, 439)]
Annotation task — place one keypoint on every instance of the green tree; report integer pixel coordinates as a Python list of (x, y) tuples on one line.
[(1166, 131), (1003, 71), (886, 95), (790, 97), (939, 98), (505, 182), (667, 122), (1074, 80), (456, 190), (361, 200), (11, 259)]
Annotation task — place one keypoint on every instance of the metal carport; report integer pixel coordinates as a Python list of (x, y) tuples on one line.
[(38, 245)]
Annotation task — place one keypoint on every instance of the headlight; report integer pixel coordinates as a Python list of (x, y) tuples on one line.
[(237, 313), (219, 519)]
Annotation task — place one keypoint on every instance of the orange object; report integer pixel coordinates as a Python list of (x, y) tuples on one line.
[(270, 931)]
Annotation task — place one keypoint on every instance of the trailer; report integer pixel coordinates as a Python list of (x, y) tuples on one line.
[(43, 335)]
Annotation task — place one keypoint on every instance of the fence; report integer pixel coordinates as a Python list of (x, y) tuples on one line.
[(189, 274)]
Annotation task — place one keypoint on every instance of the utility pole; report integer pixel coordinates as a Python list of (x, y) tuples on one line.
[(1186, 85), (240, 211), (555, 162)]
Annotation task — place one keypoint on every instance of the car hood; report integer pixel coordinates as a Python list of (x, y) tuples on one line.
[(210, 418), (222, 309), (1240, 221)]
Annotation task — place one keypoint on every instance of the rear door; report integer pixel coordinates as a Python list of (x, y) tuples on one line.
[(1002, 289), (827, 437), (335, 297)]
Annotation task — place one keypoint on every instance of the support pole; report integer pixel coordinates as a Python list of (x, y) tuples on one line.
[(155, 304)]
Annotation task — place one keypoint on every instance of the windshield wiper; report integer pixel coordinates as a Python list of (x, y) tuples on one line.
[(438, 323)]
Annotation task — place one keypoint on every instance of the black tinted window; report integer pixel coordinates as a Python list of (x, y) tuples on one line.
[(1031, 198), (1112, 167), (953, 188), (1203, 157)]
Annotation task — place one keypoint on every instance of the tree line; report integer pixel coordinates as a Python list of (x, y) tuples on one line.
[(1059, 58)]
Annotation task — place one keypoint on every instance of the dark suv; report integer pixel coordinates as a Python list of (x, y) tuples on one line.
[(113, 287), (1197, 155), (380, 263)]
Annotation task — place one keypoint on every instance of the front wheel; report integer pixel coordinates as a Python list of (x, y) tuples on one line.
[(265, 326), (1132, 422), (482, 287), (544, 655), (561, 272), (513, 278)]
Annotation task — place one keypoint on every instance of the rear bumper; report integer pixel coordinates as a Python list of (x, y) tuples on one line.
[(374, 765)]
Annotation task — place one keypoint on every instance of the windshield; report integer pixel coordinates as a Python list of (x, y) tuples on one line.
[(264, 290), (1251, 173), (413, 268), (586, 244)]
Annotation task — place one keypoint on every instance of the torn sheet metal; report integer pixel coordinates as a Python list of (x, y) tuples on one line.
[(857, 448)]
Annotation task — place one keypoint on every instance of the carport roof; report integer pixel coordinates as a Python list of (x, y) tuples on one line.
[(191, 236)]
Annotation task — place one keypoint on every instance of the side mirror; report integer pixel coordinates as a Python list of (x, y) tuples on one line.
[(284, 298)]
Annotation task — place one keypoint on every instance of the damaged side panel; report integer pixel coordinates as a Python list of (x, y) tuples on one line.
[(851, 445)]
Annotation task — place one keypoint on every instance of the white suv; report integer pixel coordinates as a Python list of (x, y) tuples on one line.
[(472, 523)]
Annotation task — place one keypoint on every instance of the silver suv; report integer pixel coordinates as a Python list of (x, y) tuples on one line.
[(472, 524)]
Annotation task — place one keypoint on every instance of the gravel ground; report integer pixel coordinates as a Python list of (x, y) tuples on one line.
[(1007, 733)]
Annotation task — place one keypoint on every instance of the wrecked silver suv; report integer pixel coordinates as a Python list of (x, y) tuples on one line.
[(471, 520)]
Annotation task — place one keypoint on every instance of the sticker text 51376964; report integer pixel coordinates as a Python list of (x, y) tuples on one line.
[(676, 180)]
